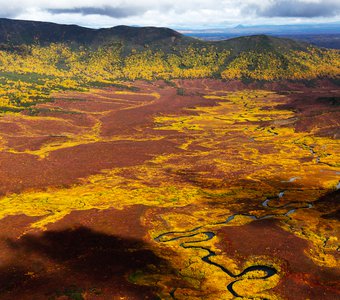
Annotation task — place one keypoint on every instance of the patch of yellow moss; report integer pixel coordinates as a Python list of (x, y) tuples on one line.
[(101, 192), (85, 135)]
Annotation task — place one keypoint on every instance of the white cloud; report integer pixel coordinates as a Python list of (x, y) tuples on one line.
[(172, 13)]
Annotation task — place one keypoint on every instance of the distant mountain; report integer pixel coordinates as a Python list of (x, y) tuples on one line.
[(321, 35), (291, 29), (330, 41)]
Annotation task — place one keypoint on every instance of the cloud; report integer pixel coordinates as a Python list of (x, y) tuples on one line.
[(296, 8), (172, 13), (113, 8), (128, 12), (10, 12), (114, 12)]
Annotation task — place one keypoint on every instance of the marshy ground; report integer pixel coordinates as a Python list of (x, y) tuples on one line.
[(194, 189)]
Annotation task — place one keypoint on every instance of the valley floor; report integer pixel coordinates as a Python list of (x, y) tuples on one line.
[(193, 189)]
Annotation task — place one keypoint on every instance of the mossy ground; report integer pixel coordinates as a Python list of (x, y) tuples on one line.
[(233, 154)]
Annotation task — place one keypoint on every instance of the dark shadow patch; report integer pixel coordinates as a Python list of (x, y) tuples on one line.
[(73, 261), (329, 205), (330, 100)]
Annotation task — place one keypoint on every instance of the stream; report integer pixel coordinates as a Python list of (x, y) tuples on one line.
[(198, 235)]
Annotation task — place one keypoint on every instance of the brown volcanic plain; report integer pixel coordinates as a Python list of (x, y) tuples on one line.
[(194, 189)]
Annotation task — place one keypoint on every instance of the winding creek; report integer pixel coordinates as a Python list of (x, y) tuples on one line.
[(198, 235)]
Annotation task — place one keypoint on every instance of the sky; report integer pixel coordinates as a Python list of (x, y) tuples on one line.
[(173, 13)]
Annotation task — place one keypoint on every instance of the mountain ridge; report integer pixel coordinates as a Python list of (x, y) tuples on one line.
[(21, 32)]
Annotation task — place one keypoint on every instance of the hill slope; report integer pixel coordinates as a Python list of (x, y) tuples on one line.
[(261, 43), (37, 58)]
